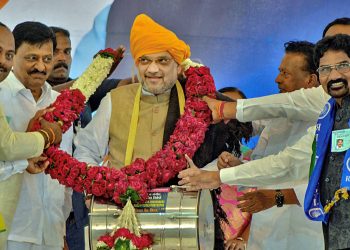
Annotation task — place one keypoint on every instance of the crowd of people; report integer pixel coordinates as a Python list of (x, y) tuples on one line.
[(279, 195)]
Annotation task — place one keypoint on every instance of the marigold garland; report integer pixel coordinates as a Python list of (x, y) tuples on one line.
[(340, 193)]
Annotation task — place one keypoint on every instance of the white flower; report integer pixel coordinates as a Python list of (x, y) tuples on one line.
[(93, 76), (100, 244)]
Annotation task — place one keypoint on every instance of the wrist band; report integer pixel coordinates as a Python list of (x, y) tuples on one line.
[(53, 135), (47, 139), (221, 114)]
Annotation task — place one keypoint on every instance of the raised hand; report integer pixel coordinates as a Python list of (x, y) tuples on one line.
[(195, 179), (228, 112)]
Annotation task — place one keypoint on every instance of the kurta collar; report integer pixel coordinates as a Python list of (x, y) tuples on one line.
[(154, 99)]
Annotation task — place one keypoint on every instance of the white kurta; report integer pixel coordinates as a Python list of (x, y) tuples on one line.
[(303, 104), (44, 204), (286, 227)]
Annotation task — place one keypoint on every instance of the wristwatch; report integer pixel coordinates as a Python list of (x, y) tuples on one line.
[(279, 198)]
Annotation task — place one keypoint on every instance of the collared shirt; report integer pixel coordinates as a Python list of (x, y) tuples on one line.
[(43, 204), (337, 230)]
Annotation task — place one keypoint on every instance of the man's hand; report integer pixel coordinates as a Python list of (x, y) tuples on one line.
[(212, 104), (229, 110), (37, 165), (195, 179), (234, 244), (226, 160), (56, 129), (121, 49), (38, 116), (256, 201)]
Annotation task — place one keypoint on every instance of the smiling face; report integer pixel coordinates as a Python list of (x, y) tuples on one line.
[(32, 64), (336, 83), (7, 51), (158, 72)]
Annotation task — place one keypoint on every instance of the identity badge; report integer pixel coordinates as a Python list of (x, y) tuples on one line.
[(340, 140)]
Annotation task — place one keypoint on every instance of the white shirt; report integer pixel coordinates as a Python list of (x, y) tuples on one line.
[(289, 164), (43, 204), (286, 227), (92, 141), (303, 104)]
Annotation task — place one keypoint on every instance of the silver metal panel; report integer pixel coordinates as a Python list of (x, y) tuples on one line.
[(187, 223)]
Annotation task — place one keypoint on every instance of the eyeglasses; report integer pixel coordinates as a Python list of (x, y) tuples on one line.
[(161, 61), (342, 67)]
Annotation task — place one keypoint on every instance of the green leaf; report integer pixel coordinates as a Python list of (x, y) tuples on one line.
[(122, 244), (130, 193)]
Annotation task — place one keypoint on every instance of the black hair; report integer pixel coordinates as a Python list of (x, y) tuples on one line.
[(60, 30), (232, 89), (4, 25), (340, 42), (33, 33), (304, 48), (342, 21)]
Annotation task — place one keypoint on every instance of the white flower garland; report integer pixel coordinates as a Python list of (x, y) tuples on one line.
[(93, 76)]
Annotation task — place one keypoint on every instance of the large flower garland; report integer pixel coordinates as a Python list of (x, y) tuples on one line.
[(132, 181)]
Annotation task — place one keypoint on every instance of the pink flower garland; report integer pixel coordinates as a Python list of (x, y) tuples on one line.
[(134, 180)]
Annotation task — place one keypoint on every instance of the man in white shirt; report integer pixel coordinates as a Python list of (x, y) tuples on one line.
[(296, 71), (43, 204)]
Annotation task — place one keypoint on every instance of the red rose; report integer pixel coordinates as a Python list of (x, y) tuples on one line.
[(122, 232), (70, 181), (74, 171), (107, 239), (98, 188), (92, 172)]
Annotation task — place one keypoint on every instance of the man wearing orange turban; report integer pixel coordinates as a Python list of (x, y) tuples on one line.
[(136, 120), (148, 37)]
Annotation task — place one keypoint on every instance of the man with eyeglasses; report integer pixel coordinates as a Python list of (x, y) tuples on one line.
[(329, 183)]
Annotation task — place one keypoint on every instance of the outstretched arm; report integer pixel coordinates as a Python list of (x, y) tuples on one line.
[(303, 104)]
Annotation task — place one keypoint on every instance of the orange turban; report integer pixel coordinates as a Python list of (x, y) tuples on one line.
[(148, 37)]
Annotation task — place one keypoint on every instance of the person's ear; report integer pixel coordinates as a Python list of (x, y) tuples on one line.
[(313, 81)]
